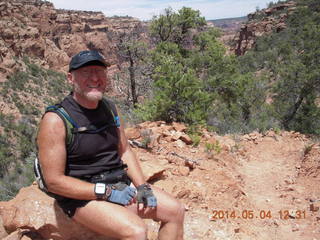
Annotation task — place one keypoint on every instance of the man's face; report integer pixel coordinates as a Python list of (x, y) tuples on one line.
[(89, 82)]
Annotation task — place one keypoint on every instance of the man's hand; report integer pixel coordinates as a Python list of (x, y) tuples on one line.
[(145, 196), (121, 194)]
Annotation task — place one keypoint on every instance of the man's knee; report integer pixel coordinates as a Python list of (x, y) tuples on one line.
[(180, 211), (137, 232), (177, 211)]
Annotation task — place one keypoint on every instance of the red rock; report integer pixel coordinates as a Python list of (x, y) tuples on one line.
[(180, 144), (176, 136), (184, 171), (186, 139), (152, 170), (34, 210), (3, 232), (183, 193), (179, 127), (16, 235), (132, 133)]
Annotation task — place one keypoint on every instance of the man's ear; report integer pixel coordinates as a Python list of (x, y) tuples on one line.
[(70, 78)]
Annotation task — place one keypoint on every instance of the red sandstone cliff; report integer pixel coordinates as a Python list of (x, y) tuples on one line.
[(34, 28), (261, 22)]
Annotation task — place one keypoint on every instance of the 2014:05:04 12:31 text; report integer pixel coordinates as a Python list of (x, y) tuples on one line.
[(261, 214)]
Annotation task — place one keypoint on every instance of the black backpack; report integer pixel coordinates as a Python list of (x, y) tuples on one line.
[(72, 128)]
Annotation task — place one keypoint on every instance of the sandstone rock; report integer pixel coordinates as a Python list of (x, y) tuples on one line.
[(147, 124), (152, 170), (249, 32), (30, 26), (24, 237), (34, 210), (16, 235), (183, 193), (132, 133), (3, 232), (180, 144), (180, 127), (186, 139), (184, 171), (175, 136), (55, 57)]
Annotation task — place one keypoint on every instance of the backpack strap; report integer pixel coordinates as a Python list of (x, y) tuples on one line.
[(38, 174), (110, 106), (69, 123), (40, 180)]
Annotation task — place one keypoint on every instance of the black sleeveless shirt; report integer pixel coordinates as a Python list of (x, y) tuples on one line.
[(91, 153)]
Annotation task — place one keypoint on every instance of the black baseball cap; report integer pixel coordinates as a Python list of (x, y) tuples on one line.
[(87, 58)]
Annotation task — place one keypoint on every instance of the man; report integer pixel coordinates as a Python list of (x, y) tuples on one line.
[(73, 173)]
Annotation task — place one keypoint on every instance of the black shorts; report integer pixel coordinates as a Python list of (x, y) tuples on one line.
[(69, 205)]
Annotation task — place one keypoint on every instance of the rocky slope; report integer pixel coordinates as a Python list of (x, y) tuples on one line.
[(261, 22), (34, 31), (34, 28), (256, 186)]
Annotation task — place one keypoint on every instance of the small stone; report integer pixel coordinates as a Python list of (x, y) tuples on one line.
[(186, 139), (180, 144), (184, 171), (180, 127), (295, 228), (313, 207), (183, 193)]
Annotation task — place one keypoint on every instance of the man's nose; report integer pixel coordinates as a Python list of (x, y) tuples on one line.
[(94, 77)]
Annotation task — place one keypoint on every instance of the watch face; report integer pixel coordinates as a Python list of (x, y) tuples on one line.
[(100, 188)]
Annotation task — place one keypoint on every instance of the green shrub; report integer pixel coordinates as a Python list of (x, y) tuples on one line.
[(12, 182)]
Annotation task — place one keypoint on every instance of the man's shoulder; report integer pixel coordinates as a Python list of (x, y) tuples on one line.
[(51, 128), (52, 119)]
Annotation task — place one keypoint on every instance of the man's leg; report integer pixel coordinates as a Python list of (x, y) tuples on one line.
[(111, 220), (116, 221), (169, 211)]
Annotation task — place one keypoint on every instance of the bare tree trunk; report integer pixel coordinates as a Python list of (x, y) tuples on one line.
[(133, 83)]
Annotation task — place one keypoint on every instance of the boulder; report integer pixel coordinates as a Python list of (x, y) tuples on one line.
[(152, 170), (3, 232), (132, 133), (186, 139), (33, 210), (180, 127)]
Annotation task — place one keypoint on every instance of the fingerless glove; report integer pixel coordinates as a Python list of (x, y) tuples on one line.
[(121, 194), (145, 196)]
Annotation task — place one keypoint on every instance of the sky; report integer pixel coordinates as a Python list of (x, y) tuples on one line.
[(146, 9)]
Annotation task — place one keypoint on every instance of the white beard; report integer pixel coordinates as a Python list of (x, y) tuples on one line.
[(94, 96), (91, 96)]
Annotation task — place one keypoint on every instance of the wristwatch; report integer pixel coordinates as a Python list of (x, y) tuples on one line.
[(102, 191)]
